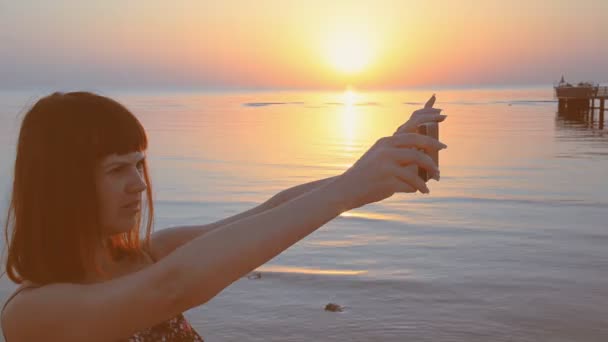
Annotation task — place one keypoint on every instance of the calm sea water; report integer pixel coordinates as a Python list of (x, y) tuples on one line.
[(511, 244)]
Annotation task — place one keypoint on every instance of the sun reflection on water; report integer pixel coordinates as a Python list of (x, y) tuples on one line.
[(349, 119), (303, 270)]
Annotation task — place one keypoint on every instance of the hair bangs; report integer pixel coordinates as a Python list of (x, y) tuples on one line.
[(117, 132)]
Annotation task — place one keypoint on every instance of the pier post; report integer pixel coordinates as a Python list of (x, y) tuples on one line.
[(602, 113)]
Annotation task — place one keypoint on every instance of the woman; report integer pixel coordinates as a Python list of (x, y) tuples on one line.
[(76, 211)]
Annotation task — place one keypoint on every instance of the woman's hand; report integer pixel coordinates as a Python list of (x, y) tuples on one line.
[(419, 117), (382, 170)]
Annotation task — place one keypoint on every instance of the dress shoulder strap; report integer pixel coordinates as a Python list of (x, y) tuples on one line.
[(26, 285)]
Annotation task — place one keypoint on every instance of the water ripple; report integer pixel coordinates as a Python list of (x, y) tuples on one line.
[(523, 201), (278, 269)]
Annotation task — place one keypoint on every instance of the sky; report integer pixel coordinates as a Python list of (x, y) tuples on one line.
[(308, 44)]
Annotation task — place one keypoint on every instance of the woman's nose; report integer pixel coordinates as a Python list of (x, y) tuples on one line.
[(137, 183)]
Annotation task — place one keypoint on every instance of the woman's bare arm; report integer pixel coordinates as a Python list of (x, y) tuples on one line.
[(165, 241), (293, 192), (206, 265)]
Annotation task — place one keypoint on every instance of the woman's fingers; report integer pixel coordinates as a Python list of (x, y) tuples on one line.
[(430, 102), (427, 111), (401, 186), (406, 156), (412, 124), (431, 118), (416, 140), (409, 180)]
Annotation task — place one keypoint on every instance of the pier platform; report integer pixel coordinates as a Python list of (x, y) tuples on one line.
[(581, 97)]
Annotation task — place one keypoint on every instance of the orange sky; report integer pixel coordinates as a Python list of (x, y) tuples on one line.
[(302, 44)]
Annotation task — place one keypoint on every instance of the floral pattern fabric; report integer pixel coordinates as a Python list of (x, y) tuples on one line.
[(176, 329)]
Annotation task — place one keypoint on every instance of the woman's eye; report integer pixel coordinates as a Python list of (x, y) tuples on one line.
[(139, 166), (116, 170)]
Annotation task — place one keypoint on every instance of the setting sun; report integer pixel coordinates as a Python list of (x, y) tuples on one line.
[(348, 52)]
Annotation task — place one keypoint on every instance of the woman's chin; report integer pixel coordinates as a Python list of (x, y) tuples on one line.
[(124, 227)]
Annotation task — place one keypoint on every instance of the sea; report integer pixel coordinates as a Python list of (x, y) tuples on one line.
[(510, 245)]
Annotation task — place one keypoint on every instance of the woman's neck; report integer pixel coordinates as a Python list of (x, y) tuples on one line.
[(112, 268)]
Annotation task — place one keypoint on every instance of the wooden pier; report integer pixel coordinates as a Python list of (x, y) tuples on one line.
[(581, 97)]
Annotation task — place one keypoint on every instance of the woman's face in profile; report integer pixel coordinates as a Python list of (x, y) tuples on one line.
[(120, 183)]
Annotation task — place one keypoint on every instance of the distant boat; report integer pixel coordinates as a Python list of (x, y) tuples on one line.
[(582, 90)]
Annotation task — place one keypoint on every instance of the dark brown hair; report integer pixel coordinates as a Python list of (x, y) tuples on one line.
[(53, 210)]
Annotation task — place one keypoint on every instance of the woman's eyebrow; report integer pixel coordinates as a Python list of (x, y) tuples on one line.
[(122, 162)]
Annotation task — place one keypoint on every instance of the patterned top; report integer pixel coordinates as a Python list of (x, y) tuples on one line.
[(175, 329)]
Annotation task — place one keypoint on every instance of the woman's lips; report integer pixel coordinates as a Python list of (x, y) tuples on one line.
[(133, 206)]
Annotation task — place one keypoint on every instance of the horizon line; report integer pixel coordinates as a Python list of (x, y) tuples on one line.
[(236, 89)]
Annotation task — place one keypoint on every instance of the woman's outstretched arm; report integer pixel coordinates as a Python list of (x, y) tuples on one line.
[(295, 191), (165, 241), (206, 265)]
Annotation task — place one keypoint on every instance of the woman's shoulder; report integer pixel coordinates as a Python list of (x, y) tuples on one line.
[(145, 259), (24, 286), (112, 308)]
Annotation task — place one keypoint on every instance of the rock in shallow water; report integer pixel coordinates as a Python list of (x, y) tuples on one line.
[(333, 307)]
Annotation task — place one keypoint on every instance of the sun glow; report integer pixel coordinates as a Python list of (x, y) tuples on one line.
[(350, 118), (348, 52)]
